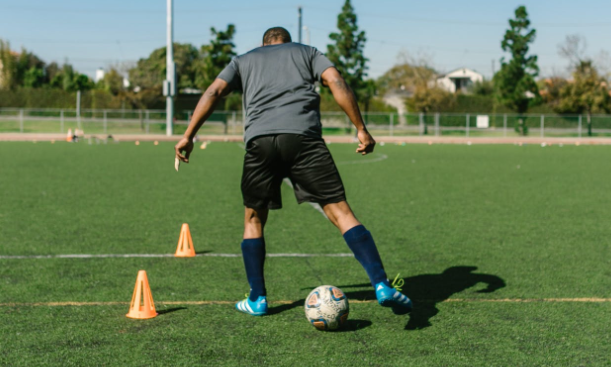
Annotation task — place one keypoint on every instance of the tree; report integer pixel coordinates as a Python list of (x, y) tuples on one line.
[(550, 90), (112, 82), (515, 82), (7, 66), (573, 49), (587, 93), (215, 56), (51, 71), (151, 72), (30, 65), (34, 78), (405, 76), (20, 69), (347, 52), (70, 80), (432, 99), (482, 88)]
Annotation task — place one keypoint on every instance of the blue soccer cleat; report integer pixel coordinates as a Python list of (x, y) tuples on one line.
[(390, 297), (256, 308)]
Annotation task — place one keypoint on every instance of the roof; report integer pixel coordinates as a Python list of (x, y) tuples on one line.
[(465, 71)]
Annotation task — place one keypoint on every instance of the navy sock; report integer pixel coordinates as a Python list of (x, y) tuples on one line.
[(253, 252), (365, 251)]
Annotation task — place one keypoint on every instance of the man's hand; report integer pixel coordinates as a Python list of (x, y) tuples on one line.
[(347, 101), (367, 143), (184, 145)]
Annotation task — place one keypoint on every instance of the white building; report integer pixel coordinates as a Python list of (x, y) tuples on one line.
[(459, 79), (99, 75)]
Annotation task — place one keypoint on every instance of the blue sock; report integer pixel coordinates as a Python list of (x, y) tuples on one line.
[(365, 251), (253, 252)]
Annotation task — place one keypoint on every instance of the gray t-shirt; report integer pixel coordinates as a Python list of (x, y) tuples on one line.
[(279, 91)]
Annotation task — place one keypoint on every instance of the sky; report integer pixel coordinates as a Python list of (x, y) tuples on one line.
[(449, 34)]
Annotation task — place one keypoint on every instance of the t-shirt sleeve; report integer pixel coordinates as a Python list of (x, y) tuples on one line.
[(320, 63), (231, 74)]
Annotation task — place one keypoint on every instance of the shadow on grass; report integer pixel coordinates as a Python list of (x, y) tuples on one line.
[(170, 310), (202, 252), (353, 325), (427, 290), (286, 307), (350, 325)]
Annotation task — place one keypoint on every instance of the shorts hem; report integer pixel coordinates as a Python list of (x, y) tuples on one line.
[(269, 206), (335, 200)]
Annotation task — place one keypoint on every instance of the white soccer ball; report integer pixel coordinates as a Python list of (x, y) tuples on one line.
[(327, 308)]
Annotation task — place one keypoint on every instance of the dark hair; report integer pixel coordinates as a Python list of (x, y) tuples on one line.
[(276, 34)]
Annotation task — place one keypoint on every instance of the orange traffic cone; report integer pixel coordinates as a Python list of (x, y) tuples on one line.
[(69, 135), (142, 306), (185, 243)]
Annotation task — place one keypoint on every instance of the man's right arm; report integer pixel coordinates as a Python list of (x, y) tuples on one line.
[(215, 92), (346, 100)]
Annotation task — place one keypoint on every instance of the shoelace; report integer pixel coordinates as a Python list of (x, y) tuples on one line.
[(398, 283)]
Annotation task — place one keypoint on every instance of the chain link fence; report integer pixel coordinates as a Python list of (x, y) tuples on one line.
[(111, 122)]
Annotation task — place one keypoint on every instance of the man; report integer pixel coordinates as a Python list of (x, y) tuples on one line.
[(283, 137)]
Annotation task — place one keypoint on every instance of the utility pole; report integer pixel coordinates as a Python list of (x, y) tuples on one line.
[(493, 68), (169, 85), (299, 26)]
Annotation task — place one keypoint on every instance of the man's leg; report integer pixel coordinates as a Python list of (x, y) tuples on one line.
[(358, 239), (253, 250), (253, 253), (361, 243)]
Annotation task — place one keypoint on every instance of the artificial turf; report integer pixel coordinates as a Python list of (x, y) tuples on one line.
[(464, 225)]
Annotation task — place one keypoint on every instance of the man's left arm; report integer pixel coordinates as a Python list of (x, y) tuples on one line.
[(215, 92)]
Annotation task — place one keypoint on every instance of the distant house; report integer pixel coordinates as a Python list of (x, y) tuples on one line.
[(458, 80)]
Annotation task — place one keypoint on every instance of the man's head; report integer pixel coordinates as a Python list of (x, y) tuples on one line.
[(276, 35)]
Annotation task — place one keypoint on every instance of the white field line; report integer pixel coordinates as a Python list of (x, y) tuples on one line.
[(97, 256), (361, 161), (286, 302)]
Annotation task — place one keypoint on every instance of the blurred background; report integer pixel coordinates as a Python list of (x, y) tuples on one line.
[(474, 68)]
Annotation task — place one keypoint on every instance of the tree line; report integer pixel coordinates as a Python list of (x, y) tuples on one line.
[(514, 88)]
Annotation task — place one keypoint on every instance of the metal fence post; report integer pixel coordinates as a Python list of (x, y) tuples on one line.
[(504, 125), (392, 122), (467, 130), (233, 121), (61, 121), (542, 125), (437, 124), (148, 121), (226, 125), (421, 123), (579, 128), (21, 121), (105, 122)]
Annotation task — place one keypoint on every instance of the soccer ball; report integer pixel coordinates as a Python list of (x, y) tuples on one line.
[(327, 307)]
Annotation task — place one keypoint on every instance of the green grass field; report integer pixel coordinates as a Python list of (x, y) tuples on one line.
[(533, 221)]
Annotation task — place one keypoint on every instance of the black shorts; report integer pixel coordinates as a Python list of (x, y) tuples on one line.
[(304, 160)]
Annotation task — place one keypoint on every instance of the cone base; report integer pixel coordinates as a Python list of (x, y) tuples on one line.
[(175, 255), (141, 317)]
